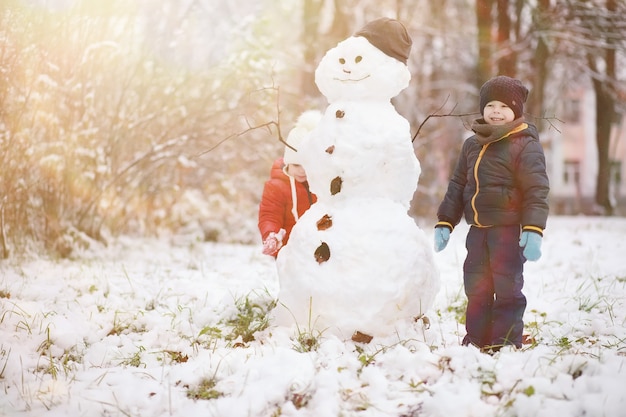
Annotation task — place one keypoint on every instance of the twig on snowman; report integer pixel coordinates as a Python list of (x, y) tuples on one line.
[(277, 122), (266, 125), (435, 114)]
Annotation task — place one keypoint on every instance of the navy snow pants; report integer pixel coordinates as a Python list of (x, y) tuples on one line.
[(493, 280)]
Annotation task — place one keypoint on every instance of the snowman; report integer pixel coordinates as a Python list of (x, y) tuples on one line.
[(357, 265)]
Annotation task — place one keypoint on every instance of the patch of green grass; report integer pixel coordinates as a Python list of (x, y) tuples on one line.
[(564, 343), (121, 326), (176, 356), (205, 390), (135, 359), (211, 331), (458, 310), (456, 307), (307, 341), (4, 359), (252, 317)]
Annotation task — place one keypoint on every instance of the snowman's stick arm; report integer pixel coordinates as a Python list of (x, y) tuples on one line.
[(451, 114), (267, 126), (435, 114)]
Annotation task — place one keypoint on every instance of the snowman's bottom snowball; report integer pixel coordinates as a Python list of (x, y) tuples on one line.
[(381, 270)]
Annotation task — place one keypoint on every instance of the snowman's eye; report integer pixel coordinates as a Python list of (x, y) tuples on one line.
[(342, 61), (358, 59)]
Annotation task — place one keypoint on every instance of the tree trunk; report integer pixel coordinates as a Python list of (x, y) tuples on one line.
[(4, 245), (507, 62), (484, 22), (310, 17), (604, 118), (605, 113), (540, 67)]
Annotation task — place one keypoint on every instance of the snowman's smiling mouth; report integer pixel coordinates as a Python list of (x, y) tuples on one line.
[(350, 80)]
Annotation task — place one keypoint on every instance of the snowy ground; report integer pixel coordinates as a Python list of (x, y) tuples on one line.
[(156, 328)]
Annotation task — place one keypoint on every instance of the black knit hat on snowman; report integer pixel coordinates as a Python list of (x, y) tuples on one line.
[(509, 91), (388, 35)]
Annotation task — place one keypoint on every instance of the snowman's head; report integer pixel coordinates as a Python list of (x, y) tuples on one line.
[(371, 65)]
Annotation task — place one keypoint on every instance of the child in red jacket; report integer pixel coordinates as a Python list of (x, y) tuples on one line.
[(286, 194)]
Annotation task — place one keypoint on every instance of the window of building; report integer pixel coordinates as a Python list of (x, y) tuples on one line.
[(616, 172), (571, 172), (572, 111)]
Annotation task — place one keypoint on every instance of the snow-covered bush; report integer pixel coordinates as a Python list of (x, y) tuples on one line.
[(104, 130)]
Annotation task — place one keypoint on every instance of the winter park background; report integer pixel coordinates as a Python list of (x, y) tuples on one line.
[(134, 141)]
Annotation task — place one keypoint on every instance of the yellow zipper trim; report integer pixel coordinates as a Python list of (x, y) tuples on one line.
[(478, 160), (480, 157)]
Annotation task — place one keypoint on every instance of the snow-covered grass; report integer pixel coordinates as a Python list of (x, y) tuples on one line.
[(180, 328)]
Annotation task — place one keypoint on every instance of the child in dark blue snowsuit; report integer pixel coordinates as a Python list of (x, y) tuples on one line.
[(501, 186)]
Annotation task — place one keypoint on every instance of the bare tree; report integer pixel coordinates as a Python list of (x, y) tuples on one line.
[(603, 67), (310, 34), (589, 34), (502, 35), (100, 130), (484, 22), (540, 60), (594, 33)]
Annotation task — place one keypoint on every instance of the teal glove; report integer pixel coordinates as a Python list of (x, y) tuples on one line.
[(531, 242), (442, 236)]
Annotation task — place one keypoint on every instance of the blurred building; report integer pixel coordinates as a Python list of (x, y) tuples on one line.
[(572, 157)]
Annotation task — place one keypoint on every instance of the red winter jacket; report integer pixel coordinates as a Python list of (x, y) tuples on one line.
[(275, 210)]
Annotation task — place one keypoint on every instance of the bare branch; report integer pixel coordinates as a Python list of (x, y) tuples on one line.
[(550, 121), (449, 114), (236, 135), (267, 125)]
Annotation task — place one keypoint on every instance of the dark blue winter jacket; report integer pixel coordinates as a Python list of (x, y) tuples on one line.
[(499, 181)]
